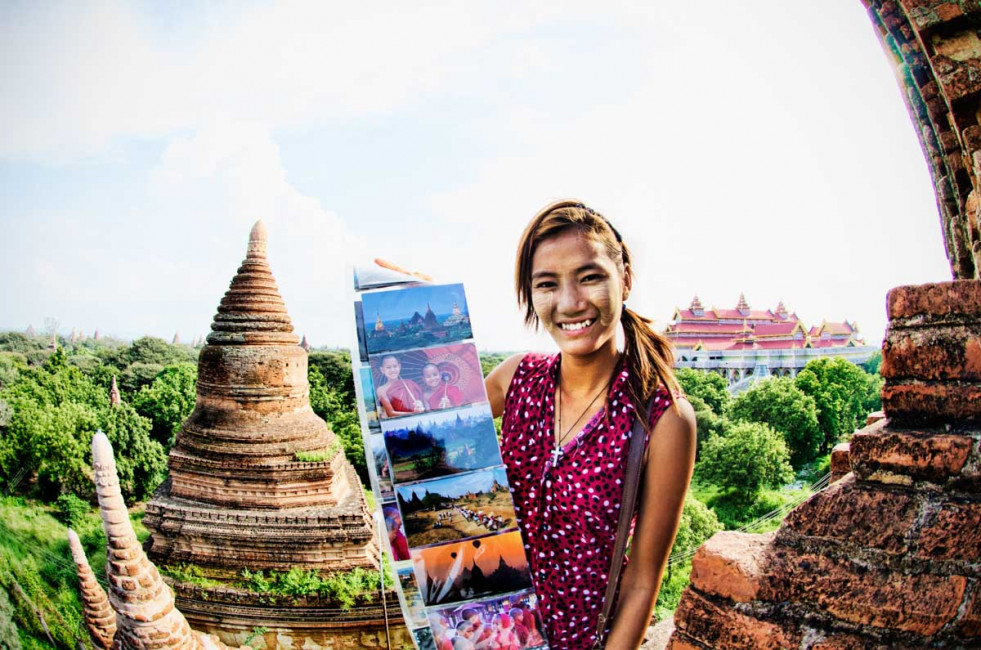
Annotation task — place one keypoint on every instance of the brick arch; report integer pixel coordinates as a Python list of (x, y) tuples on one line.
[(936, 49)]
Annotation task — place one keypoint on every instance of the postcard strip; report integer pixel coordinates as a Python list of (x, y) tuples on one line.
[(437, 473)]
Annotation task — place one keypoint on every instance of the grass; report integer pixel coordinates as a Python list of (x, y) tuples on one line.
[(36, 568), (320, 456)]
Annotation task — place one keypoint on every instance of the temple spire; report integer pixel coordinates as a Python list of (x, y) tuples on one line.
[(146, 616), (304, 344), (100, 619), (114, 398), (252, 311), (742, 306)]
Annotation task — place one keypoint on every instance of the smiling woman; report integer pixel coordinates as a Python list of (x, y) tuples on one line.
[(566, 450)]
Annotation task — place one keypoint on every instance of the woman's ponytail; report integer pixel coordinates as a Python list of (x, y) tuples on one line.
[(649, 357)]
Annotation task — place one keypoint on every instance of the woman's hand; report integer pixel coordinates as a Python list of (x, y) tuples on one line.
[(667, 473)]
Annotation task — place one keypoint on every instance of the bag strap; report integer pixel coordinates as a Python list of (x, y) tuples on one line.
[(631, 481)]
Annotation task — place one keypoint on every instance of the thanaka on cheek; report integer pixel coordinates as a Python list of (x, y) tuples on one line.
[(599, 295), (542, 302)]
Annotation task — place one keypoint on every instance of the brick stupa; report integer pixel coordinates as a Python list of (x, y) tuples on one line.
[(237, 496)]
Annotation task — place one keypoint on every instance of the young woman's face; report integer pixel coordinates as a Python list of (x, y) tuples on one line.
[(577, 292), (431, 376), (391, 368)]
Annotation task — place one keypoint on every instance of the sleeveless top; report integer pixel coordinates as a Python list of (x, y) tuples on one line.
[(568, 509)]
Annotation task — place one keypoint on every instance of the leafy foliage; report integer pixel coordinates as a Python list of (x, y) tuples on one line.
[(335, 368), (709, 386), (697, 524), (707, 422), (346, 588), (55, 411), (874, 363), (319, 456), (491, 360), (779, 403), (748, 457), (334, 406), (168, 401), (844, 394), (71, 510)]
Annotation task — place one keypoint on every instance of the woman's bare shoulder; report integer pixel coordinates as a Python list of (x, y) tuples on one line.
[(675, 432)]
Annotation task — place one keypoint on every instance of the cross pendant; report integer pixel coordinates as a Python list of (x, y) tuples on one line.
[(556, 455)]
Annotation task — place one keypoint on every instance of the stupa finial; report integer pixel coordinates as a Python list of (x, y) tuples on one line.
[(257, 240), (114, 397), (100, 619), (143, 601)]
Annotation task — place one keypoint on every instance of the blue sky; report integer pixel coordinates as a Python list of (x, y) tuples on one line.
[(760, 147)]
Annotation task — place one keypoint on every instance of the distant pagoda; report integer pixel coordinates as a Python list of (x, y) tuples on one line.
[(237, 496)]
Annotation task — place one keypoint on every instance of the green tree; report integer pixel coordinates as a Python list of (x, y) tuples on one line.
[(844, 394), (168, 401), (707, 421), (17, 342), (53, 412), (779, 403), (335, 368), (874, 363), (491, 360), (697, 524), (331, 405), (709, 386), (141, 462), (748, 457)]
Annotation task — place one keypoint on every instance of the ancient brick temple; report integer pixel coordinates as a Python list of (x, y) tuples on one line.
[(890, 555), (240, 497)]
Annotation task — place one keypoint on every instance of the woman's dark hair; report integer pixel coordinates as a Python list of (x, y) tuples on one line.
[(648, 354)]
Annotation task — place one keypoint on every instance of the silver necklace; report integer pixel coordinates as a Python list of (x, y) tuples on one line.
[(557, 452)]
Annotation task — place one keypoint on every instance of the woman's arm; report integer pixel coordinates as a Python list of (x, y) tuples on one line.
[(498, 380), (669, 463)]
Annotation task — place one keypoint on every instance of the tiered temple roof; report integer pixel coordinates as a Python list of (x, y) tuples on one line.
[(743, 328), (237, 496)]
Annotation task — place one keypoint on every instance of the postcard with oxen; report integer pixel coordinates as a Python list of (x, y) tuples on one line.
[(415, 317), (430, 379), (456, 507), (441, 443), (475, 568)]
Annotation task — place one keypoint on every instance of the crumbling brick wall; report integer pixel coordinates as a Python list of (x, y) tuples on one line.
[(890, 555)]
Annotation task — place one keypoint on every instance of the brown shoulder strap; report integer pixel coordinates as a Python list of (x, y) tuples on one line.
[(628, 503)]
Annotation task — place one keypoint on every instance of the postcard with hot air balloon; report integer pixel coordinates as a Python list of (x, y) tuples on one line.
[(430, 379), (456, 507), (437, 444), (415, 317), (476, 568)]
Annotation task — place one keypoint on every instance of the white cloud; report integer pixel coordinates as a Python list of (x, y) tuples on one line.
[(229, 174)]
